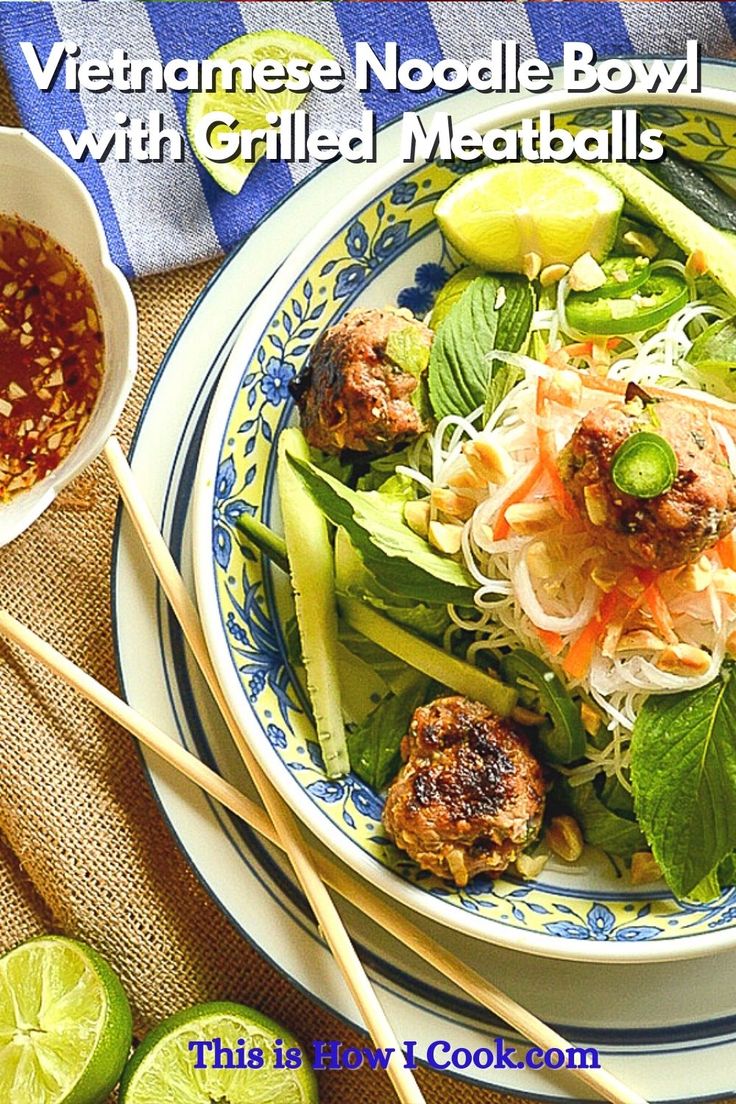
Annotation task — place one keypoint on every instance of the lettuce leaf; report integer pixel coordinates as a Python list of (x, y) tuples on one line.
[(400, 560), (683, 770)]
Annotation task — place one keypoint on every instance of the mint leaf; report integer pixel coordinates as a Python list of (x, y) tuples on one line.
[(683, 770), (493, 312), (450, 293), (713, 353), (400, 560), (374, 746), (409, 349)]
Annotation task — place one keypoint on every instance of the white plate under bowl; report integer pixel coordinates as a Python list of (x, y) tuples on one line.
[(380, 245), (669, 1032)]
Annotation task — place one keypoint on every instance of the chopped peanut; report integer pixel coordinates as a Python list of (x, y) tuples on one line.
[(416, 516), (641, 640), (644, 868), (454, 505), (531, 264), (488, 460), (565, 387), (591, 718), (552, 274), (530, 866), (586, 274), (466, 479), (445, 538), (527, 518), (683, 659), (565, 838)]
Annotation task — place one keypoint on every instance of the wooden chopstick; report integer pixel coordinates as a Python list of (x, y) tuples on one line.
[(285, 824), (356, 892)]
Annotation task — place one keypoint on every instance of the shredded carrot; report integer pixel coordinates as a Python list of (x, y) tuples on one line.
[(548, 456), (657, 606), (615, 604), (577, 662), (552, 641), (726, 549), (501, 526), (579, 349)]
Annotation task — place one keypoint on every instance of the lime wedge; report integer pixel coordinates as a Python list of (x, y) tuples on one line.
[(163, 1067), (65, 1024), (496, 215), (249, 108), (686, 227)]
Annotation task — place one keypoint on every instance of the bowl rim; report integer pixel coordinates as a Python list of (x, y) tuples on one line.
[(88, 447), (366, 866)]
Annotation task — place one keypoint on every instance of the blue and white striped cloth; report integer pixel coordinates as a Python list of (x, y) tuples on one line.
[(160, 216)]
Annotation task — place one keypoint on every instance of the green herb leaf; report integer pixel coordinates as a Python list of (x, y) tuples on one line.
[(400, 560), (375, 745), (451, 293), (409, 349), (493, 312), (713, 353), (602, 827), (683, 770)]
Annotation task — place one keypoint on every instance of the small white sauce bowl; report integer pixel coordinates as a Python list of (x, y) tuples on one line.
[(37, 186)]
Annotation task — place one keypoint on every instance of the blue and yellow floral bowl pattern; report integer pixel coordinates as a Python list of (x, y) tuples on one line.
[(389, 251)]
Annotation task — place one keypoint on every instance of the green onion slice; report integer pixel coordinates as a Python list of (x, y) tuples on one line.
[(644, 466)]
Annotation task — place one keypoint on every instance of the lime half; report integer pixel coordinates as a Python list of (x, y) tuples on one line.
[(250, 109), (65, 1024), (164, 1066), (496, 215)]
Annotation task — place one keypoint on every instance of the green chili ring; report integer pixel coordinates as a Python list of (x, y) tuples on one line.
[(654, 302), (635, 272), (563, 738), (644, 466)]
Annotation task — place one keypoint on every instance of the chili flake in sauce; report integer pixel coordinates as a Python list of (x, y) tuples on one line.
[(51, 354)]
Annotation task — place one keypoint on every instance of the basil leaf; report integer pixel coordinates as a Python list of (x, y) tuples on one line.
[(601, 826), (374, 747), (400, 560), (683, 770), (493, 312)]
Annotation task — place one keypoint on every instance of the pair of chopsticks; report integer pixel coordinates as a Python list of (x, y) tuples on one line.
[(278, 824)]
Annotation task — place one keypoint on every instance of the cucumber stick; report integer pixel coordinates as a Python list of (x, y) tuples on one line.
[(432, 661), (313, 579), (678, 221)]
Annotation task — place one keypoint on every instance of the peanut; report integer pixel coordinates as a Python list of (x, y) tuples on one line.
[(565, 838), (586, 274), (527, 518), (488, 460), (445, 538), (683, 659), (644, 868), (416, 516)]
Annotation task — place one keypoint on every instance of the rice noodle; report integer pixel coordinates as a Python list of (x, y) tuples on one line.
[(515, 600)]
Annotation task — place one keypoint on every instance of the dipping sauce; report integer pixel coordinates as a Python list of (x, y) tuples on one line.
[(51, 354)]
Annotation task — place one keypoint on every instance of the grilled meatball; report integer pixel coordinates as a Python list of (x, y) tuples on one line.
[(470, 795), (673, 528), (352, 395)]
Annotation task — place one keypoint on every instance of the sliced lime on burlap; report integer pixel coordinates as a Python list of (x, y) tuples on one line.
[(65, 1024), (497, 215), (250, 109), (164, 1067)]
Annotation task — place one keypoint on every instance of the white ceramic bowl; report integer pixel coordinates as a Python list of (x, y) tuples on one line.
[(37, 186), (376, 245)]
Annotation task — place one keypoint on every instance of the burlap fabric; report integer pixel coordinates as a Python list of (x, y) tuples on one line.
[(83, 847)]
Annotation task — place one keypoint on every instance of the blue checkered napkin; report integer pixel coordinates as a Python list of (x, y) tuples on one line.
[(160, 216)]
